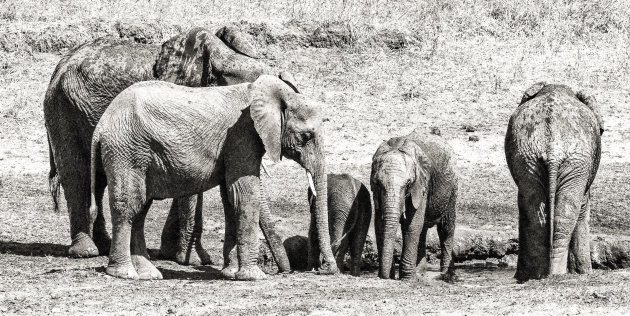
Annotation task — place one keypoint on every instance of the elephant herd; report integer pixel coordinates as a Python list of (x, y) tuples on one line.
[(201, 111)]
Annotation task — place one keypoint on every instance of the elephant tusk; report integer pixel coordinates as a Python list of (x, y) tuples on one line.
[(311, 184), (264, 167)]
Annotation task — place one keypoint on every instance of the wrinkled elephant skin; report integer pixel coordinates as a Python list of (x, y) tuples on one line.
[(349, 216), (84, 83), (552, 148), (159, 140), (414, 184)]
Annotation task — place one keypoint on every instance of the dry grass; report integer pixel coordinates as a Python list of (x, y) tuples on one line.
[(463, 62)]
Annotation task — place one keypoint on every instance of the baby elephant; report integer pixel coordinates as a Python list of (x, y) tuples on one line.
[(413, 183), (349, 215)]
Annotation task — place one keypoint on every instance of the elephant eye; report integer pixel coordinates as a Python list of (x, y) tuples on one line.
[(305, 137)]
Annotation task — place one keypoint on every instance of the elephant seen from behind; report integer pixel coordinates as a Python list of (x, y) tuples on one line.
[(349, 216), (553, 148), (414, 185), (159, 140)]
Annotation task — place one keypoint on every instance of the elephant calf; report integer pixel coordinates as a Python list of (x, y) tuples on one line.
[(159, 140), (553, 147), (349, 215), (413, 183)]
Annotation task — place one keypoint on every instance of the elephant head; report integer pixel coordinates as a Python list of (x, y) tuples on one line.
[(289, 125), (200, 58), (399, 181), (542, 88)]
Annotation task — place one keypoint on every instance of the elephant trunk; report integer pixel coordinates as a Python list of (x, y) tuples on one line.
[(391, 215), (273, 239), (315, 166)]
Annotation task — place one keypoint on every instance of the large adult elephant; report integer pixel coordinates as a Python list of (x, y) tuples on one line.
[(158, 140), (553, 147), (82, 86), (414, 184)]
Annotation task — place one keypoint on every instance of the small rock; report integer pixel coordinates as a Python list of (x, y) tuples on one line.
[(469, 128), (326, 119), (436, 131), (473, 138)]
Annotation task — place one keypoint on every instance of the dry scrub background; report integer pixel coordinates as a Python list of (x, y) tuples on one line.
[(382, 68)]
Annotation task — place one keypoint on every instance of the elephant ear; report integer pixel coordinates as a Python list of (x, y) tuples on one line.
[(532, 91), (184, 59), (418, 190), (268, 101), (287, 77), (235, 39), (592, 103)]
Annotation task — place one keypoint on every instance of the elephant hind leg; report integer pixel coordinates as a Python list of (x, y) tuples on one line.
[(101, 236), (128, 207), (568, 208), (170, 233), (580, 248), (533, 259), (76, 184), (139, 255), (446, 231)]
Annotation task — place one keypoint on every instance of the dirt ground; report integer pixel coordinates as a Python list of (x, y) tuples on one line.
[(371, 94)]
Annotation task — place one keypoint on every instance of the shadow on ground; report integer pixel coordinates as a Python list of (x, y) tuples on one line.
[(33, 249)]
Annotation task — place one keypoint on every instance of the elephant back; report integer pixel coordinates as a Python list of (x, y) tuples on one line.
[(91, 75)]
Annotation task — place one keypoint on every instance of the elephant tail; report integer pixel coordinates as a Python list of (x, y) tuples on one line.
[(53, 178), (552, 170), (94, 151)]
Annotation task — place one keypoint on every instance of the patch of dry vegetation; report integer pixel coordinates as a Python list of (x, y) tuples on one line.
[(53, 25)]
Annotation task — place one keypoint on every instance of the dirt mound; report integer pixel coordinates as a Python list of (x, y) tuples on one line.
[(56, 37), (470, 244), (46, 37)]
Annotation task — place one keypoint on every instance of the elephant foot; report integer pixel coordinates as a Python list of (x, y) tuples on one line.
[(196, 257), (355, 271), (82, 247), (123, 271), (229, 272), (449, 276), (251, 273), (328, 268), (145, 269)]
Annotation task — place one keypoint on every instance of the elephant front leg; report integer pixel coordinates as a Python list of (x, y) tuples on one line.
[(181, 236), (358, 239), (411, 229), (313, 240), (230, 258), (421, 263), (246, 200), (189, 250), (580, 256)]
